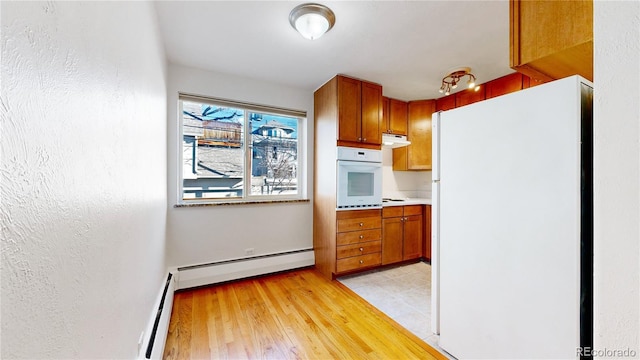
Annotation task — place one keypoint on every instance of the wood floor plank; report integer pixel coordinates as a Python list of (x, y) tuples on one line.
[(200, 328), (291, 315), (178, 343)]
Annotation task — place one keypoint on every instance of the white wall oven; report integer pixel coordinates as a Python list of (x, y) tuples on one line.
[(359, 178)]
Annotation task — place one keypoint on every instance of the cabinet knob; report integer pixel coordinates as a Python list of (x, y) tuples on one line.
[(361, 236), (365, 139), (361, 224), (359, 139), (361, 261), (361, 249)]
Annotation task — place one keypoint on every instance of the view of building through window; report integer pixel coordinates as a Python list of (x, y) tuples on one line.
[(232, 152)]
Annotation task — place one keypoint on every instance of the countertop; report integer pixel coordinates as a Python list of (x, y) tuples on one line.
[(407, 201)]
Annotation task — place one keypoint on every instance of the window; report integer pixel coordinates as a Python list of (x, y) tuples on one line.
[(233, 151)]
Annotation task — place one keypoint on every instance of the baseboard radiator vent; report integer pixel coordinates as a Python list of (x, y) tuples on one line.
[(160, 326), (216, 272)]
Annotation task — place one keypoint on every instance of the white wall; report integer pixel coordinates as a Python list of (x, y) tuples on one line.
[(198, 235), (617, 175), (403, 184), (83, 177)]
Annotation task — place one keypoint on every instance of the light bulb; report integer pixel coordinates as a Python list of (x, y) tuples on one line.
[(477, 88), (446, 93), (312, 26), (441, 90), (454, 86), (471, 83)]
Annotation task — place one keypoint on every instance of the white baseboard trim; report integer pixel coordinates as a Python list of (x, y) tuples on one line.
[(206, 274), (155, 335)]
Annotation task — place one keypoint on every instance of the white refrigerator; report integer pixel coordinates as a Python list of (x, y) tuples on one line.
[(513, 224)]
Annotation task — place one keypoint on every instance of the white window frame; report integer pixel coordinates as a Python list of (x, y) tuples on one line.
[(247, 148)]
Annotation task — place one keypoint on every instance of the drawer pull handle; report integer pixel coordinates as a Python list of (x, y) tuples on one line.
[(361, 249), (361, 261), (361, 236)]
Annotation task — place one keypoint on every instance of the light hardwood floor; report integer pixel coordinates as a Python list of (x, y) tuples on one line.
[(291, 315)]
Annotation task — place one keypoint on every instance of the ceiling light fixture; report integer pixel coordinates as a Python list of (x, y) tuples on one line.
[(451, 81), (312, 20)]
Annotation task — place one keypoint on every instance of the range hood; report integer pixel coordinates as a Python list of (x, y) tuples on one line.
[(394, 141)]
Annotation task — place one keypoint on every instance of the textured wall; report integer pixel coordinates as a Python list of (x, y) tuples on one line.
[(205, 234), (617, 175), (83, 177)]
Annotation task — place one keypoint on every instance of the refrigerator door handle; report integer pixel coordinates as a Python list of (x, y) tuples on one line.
[(435, 148), (435, 225)]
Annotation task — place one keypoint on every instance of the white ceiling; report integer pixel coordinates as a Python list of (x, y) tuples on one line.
[(407, 46)]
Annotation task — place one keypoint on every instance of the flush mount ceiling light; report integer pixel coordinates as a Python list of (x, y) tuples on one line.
[(450, 81), (312, 20)]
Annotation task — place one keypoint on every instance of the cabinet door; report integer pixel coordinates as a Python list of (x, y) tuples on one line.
[(551, 39), (392, 240), (371, 113), (504, 85), (426, 245), (349, 109), (446, 103), (384, 126), (412, 237), (398, 117), (469, 96), (416, 156)]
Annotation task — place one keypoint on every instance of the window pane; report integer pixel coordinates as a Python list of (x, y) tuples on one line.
[(212, 152), (274, 159)]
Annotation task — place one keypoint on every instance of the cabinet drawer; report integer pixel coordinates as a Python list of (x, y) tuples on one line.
[(358, 262), (358, 236), (359, 224), (392, 211), (369, 247), (412, 210)]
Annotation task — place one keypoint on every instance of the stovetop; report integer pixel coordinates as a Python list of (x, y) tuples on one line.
[(389, 199)]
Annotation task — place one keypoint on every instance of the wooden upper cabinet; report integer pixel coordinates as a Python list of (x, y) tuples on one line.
[(371, 113), (469, 96), (349, 109), (504, 85), (397, 117), (384, 127), (359, 112), (551, 39), (446, 103), (416, 156)]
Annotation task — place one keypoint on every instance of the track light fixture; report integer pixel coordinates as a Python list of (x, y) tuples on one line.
[(450, 81)]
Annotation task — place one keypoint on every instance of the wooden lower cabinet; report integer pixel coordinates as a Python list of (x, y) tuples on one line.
[(358, 240), (426, 246), (402, 235), (412, 245), (392, 235)]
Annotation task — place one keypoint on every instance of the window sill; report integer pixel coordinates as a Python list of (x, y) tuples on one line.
[(242, 203)]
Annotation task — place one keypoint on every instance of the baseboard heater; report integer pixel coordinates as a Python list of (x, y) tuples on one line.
[(226, 270), (161, 322)]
